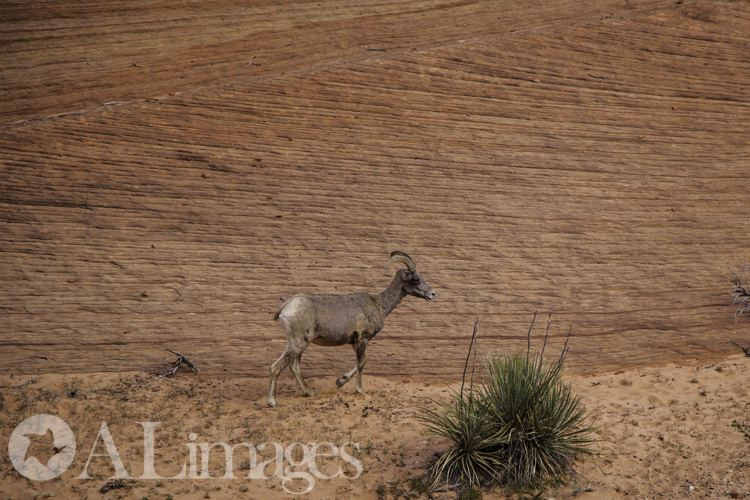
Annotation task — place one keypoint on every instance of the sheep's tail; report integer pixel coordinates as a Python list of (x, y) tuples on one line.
[(278, 313)]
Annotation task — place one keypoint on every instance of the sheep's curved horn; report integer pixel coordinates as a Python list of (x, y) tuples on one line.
[(399, 256), (399, 252)]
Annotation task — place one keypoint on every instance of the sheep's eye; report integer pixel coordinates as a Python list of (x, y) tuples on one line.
[(415, 281)]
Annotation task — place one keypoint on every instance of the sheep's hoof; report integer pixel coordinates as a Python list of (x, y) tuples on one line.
[(273, 404), (308, 394), (341, 381), (359, 390)]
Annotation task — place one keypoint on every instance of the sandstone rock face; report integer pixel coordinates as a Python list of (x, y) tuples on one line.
[(158, 190)]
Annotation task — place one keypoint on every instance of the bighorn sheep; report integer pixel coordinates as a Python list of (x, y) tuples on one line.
[(332, 320)]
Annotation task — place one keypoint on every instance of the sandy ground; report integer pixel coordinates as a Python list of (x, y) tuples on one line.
[(663, 432)]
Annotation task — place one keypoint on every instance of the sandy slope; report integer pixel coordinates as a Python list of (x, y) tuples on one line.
[(661, 431)]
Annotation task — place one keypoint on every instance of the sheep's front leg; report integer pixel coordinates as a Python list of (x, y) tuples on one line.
[(361, 360), (359, 350), (346, 377)]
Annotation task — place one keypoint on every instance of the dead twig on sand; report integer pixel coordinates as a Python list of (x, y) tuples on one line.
[(746, 350), (251, 64), (379, 49), (176, 364), (587, 489), (447, 487), (740, 289)]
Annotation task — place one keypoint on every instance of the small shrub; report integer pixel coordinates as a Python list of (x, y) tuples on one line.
[(470, 493), (418, 485), (115, 484), (744, 429), (740, 290), (381, 489)]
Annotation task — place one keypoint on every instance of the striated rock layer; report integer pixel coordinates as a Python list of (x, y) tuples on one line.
[(587, 158)]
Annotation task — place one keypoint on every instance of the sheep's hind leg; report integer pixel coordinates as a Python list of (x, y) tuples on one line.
[(295, 370), (288, 357)]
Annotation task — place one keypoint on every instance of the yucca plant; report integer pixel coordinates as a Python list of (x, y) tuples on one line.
[(473, 457), (523, 427), (544, 421)]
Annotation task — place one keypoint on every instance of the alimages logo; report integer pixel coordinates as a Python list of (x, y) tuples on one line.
[(65, 444), (63, 439)]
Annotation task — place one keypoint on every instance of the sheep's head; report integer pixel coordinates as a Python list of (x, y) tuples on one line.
[(413, 284)]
